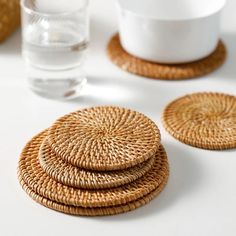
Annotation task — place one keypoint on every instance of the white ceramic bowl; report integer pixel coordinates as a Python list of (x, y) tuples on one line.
[(169, 31)]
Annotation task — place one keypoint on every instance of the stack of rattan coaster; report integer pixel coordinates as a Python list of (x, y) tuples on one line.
[(96, 161), (9, 17)]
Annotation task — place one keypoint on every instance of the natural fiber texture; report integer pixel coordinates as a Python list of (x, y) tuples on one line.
[(98, 211), (204, 120), (9, 17), (144, 68), (104, 138), (36, 179), (76, 177)]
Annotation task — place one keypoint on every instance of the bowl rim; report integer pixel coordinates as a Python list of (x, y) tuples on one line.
[(138, 15)]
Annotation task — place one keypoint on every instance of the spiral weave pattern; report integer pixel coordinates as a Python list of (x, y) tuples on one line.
[(104, 138), (204, 120)]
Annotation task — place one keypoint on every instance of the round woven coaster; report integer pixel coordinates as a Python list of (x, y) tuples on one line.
[(153, 70), (204, 120), (76, 177), (97, 211), (9, 17), (42, 184), (104, 138)]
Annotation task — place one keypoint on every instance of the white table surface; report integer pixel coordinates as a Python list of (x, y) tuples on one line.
[(200, 198)]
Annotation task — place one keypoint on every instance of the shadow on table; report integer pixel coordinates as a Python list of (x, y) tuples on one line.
[(228, 70), (186, 175), (132, 93), (12, 45)]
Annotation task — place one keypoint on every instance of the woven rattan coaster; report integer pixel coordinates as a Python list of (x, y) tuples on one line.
[(76, 177), (144, 68), (36, 179), (204, 120), (97, 211), (9, 17), (104, 138)]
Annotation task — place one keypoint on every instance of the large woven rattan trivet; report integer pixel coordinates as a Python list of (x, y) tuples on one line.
[(144, 68), (35, 178), (76, 177), (104, 138), (97, 211), (204, 120)]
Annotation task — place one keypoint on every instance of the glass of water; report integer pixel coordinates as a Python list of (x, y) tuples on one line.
[(55, 37)]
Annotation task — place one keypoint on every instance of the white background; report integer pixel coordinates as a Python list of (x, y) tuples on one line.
[(200, 198)]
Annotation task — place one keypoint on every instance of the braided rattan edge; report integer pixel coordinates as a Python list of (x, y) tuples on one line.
[(101, 211), (73, 176)]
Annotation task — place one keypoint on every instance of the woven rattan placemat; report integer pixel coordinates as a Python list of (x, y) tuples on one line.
[(76, 177), (204, 120), (98, 211), (104, 138), (144, 68), (36, 179)]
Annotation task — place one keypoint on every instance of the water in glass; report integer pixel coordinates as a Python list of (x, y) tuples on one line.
[(54, 47)]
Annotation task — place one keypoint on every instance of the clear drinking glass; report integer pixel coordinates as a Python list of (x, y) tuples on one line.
[(55, 37)]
